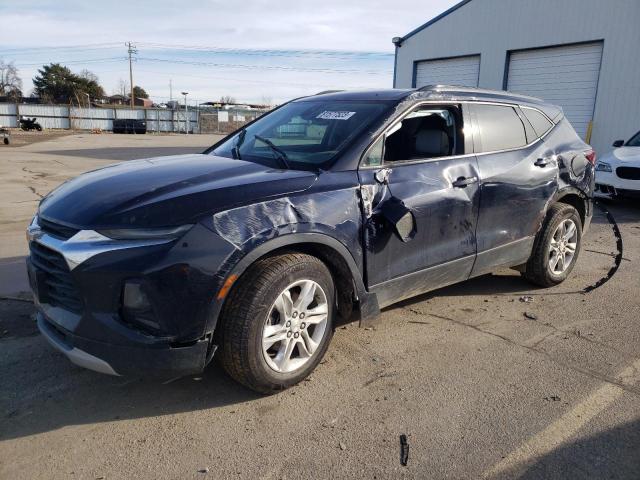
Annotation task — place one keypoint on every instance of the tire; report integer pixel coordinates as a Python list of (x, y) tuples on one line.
[(251, 309), (538, 269)]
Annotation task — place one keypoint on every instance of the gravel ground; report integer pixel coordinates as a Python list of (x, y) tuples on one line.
[(491, 378)]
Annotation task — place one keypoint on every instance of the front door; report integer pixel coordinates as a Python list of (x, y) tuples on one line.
[(420, 164)]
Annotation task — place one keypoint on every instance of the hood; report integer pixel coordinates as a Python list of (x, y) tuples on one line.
[(166, 191), (623, 154)]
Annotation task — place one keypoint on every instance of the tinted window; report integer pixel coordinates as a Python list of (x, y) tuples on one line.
[(426, 132), (634, 141), (500, 128), (307, 134), (538, 121)]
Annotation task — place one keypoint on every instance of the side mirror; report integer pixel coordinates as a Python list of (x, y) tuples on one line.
[(618, 143)]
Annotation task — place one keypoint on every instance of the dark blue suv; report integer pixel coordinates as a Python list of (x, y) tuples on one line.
[(322, 211)]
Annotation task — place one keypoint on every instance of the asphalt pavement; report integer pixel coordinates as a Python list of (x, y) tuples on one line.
[(490, 378)]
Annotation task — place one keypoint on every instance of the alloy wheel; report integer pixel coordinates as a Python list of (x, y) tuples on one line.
[(295, 326), (562, 248)]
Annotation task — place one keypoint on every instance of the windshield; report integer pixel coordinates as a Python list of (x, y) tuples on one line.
[(635, 141), (302, 135)]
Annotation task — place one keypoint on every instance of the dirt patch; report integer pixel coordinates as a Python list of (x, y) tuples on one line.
[(19, 138)]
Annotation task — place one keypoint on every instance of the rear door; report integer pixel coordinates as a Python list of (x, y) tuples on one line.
[(518, 178), (422, 165)]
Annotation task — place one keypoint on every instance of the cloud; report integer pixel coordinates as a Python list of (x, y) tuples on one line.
[(361, 26)]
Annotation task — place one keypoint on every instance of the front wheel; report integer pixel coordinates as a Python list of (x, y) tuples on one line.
[(277, 322), (556, 248)]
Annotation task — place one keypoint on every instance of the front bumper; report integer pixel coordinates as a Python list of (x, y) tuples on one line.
[(78, 291), (162, 362), (609, 185)]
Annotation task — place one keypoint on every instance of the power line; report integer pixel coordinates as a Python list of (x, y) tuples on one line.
[(73, 62), (85, 47), (264, 67), (337, 54)]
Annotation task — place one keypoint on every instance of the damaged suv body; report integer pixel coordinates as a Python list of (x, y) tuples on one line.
[(322, 211)]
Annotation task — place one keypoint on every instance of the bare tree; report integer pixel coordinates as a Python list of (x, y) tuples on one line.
[(122, 88), (227, 99), (266, 100), (10, 82), (89, 76)]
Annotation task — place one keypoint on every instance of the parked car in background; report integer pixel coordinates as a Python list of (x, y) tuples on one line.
[(618, 172), (322, 211)]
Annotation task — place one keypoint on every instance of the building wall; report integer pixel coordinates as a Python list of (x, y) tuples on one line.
[(493, 27)]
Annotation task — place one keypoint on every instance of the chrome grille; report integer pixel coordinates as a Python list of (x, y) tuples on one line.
[(59, 287)]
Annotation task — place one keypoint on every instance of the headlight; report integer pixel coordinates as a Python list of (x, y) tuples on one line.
[(603, 167), (145, 233)]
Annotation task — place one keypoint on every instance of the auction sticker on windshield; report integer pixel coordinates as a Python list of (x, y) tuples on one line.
[(329, 115)]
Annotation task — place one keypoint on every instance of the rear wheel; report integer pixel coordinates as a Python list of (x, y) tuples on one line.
[(278, 322), (556, 248)]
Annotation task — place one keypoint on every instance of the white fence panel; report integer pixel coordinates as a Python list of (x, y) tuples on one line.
[(92, 118), (8, 115), (128, 113), (49, 116)]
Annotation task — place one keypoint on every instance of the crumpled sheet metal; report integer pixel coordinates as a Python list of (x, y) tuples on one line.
[(335, 213)]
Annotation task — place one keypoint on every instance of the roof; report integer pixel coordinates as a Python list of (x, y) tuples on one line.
[(444, 92), (351, 95), (434, 20), (439, 92)]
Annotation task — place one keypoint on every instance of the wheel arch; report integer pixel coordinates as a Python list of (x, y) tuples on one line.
[(577, 199), (354, 301)]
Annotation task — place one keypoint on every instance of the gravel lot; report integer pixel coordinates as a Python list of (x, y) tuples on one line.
[(480, 389)]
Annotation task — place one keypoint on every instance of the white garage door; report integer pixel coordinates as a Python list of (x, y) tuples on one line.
[(461, 72), (565, 76)]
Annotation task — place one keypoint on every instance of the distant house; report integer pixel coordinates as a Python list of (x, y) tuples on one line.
[(118, 99), (124, 100), (143, 102)]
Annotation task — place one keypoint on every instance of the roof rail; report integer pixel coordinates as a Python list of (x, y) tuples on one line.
[(328, 91)]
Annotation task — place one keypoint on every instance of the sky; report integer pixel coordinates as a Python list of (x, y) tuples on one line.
[(257, 51)]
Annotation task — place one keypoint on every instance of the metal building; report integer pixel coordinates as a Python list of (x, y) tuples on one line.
[(580, 54)]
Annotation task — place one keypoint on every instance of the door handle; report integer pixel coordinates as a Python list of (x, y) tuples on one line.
[(542, 162), (462, 182)]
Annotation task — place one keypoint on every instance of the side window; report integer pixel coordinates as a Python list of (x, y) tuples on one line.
[(426, 132), (500, 128), (374, 156), (539, 122)]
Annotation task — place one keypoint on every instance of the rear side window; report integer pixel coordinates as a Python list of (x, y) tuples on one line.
[(539, 122), (499, 128)]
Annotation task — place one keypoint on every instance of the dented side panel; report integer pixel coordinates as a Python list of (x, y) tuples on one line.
[(330, 207), (445, 218)]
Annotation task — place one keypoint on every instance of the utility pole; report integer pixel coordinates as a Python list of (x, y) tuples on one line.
[(186, 114), (131, 50), (170, 91)]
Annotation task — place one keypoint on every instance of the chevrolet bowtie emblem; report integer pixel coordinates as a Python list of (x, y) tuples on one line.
[(34, 232)]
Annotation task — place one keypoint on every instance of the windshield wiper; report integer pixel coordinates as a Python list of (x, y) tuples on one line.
[(281, 155), (236, 149)]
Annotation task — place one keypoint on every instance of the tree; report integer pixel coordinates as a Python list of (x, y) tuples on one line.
[(88, 75), (227, 99), (10, 82), (56, 83), (122, 88), (139, 92)]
